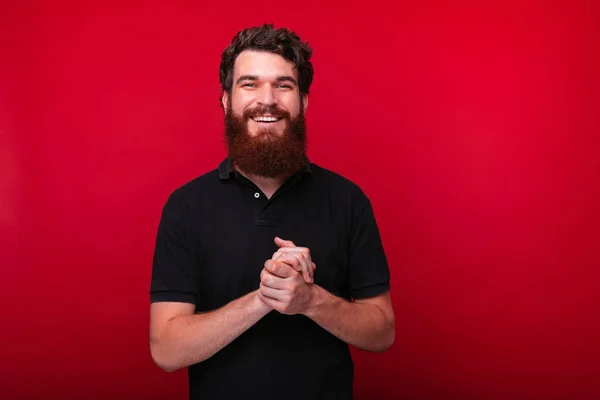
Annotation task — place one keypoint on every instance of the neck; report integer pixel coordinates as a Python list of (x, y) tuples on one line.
[(267, 185)]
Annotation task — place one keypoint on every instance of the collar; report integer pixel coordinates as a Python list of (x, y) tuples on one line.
[(226, 168)]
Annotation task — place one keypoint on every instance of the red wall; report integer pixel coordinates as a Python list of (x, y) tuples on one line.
[(473, 128)]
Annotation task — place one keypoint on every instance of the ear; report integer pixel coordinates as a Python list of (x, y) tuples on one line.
[(305, 101), (225, 100)]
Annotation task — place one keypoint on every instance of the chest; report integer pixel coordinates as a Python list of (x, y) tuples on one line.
[(240, 239)]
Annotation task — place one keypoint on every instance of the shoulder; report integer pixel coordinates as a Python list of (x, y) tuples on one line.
[(335, 179), (193, 192), (340, 187)]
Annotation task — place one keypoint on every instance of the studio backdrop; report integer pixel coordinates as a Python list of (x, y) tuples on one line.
[(472, 126)]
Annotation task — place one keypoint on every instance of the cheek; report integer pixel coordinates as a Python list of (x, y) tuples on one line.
[(239, 103), (239, 108), (292, 104)]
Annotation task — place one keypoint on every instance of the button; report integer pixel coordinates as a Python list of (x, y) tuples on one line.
[(257, 195)]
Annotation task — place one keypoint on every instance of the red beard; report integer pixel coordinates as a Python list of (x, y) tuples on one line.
[(266, 154)]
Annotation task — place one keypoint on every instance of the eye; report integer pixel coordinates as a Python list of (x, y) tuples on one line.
[(284, 86)]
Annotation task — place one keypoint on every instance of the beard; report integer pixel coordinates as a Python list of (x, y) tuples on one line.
[(268, 153)]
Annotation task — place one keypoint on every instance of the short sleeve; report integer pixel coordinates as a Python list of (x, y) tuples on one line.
[(173, 268), (368, 267)]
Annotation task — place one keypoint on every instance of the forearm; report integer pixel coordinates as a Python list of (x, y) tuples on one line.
[(190, 339), (365, 326)]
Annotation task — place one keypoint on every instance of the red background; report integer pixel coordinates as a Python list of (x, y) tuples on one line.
[(473, 128)]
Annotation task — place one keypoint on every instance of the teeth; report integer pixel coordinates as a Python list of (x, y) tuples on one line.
[(265, 119)]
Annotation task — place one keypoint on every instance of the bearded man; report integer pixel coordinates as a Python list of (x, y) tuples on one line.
[(267, 268)]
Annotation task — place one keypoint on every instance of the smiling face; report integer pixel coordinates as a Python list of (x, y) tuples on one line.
[(264, 116), (265, 91)]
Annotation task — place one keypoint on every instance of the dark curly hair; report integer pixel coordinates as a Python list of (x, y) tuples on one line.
[(280, 41)]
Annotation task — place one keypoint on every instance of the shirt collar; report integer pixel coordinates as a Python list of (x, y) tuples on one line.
[(226, 168)]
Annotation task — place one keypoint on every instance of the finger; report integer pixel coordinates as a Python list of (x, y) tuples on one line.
[(272, 281), (280, 269), (290, 260), (294, 250), (284, 243), (267, 300), (274, 294), (299, 264), (307, 266), (272, 303)]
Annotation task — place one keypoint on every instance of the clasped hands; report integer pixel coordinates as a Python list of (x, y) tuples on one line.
[(286, 279)]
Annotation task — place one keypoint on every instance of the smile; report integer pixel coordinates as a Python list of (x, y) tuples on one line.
[(265, 119)]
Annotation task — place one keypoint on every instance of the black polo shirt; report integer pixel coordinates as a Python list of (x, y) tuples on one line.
[(215, 234)]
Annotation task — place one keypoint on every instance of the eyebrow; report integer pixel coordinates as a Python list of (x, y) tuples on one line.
[(282, 78)]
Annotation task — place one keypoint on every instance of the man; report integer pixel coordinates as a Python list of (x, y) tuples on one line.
[(268, 267)]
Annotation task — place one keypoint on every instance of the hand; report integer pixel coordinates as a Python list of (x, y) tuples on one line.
[(284, 290), (297, 257)]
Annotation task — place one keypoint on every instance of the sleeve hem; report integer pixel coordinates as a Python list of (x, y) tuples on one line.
[(370, 291), (156, 297)]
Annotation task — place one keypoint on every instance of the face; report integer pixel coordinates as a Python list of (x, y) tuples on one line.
[(264, 82), (264, 116)]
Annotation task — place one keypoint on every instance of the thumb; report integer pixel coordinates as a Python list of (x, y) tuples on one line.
[(284, 243)]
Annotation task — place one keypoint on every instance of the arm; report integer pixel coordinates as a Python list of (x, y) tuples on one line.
[(366, 323), (179, 338)]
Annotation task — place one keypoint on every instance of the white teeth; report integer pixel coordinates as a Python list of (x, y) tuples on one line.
[(265, 119)]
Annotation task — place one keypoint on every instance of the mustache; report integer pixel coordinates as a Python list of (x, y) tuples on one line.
[(262, 110)]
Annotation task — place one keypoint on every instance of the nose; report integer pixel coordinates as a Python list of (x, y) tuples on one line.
[(266, 96)]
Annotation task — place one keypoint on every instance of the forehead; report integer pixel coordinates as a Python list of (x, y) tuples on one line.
[(262, 64)]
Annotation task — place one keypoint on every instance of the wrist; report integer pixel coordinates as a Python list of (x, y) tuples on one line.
[(257, 306), (318, 300)]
